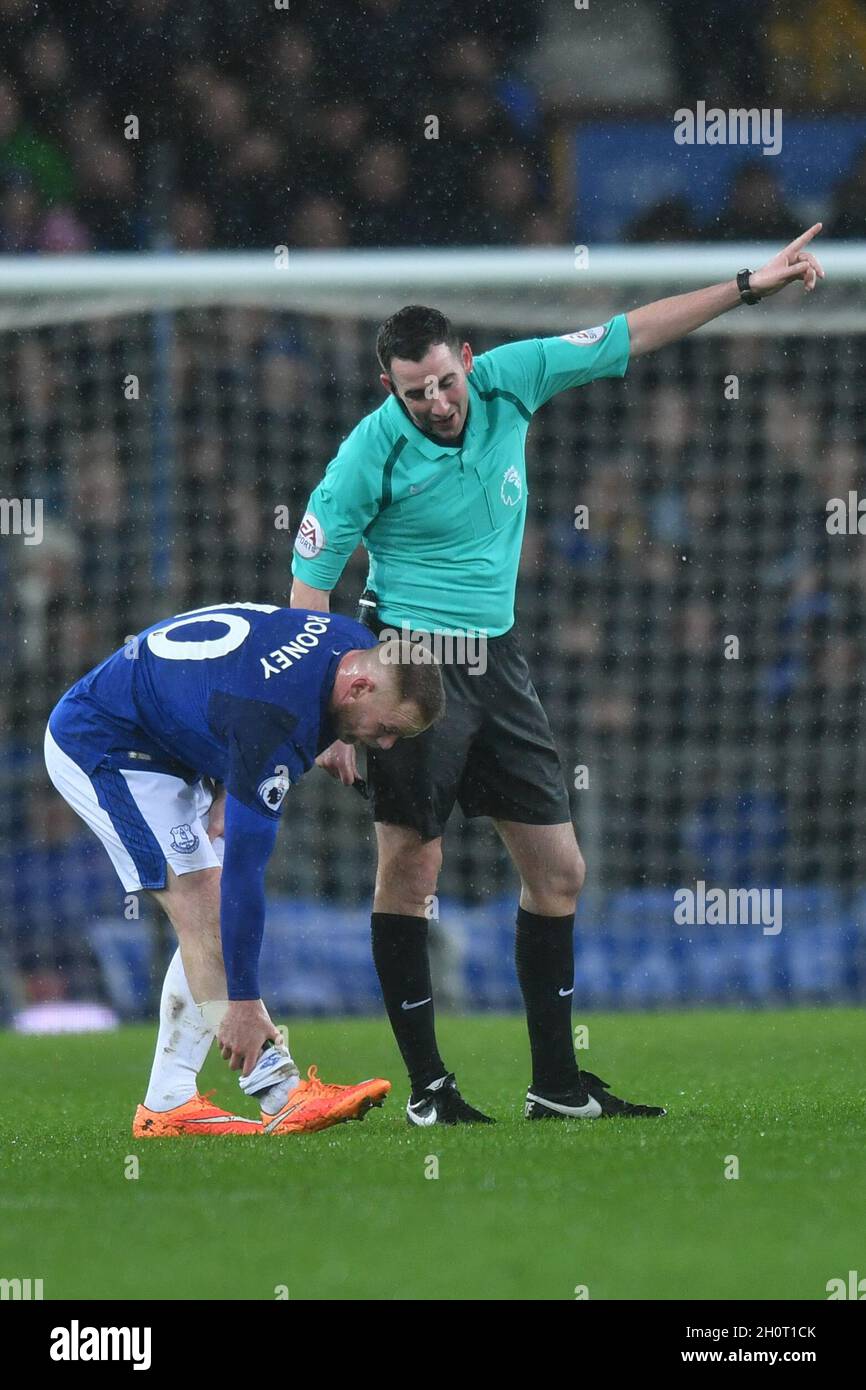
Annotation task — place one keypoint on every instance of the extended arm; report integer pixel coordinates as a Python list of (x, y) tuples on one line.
[(653, 325)]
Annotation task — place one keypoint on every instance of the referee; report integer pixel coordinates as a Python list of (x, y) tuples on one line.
[(433, 484)]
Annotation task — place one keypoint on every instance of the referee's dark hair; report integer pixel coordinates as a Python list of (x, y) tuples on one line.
[(411, 332)]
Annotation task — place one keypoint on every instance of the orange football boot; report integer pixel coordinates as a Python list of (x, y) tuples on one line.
[(314, 1105), (196, 1116)]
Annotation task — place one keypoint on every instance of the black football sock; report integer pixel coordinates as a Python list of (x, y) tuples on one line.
[(544, 954), (403, 967)]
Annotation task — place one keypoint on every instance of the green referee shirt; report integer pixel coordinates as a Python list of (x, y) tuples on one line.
[(444, 526)]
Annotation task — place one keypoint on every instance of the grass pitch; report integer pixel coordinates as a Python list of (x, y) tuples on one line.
[(631, 1209)]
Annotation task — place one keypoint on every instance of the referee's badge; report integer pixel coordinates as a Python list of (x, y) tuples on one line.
[(585, 336), (511, 489), (310, 538)]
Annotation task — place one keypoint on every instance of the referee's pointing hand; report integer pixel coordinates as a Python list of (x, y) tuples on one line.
[(794, 263)]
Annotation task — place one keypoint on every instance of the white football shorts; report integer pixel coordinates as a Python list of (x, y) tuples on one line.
[(145, 818)]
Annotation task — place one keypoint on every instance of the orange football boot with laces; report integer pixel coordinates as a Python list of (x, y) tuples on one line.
[(315, 1105), (196, 1116)]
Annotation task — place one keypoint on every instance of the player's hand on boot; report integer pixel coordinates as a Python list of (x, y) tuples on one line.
[(340, 761), (245, 1029)]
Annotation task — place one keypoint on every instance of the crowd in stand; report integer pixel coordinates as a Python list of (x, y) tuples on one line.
[(311, 125)]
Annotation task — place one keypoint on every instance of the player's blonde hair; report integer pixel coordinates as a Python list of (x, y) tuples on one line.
[(416, 675)]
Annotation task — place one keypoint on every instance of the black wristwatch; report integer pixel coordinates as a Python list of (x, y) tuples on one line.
[(747, 295)]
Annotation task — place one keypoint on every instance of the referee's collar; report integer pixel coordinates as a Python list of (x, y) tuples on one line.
[(431, 448)]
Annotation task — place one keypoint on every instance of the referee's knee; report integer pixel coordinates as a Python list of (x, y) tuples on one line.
[(408, 872), (560, 883)]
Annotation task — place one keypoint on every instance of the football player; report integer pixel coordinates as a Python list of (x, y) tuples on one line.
[(245, 696)]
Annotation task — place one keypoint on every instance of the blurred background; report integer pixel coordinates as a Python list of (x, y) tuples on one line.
[(308, 120), (309, 128)]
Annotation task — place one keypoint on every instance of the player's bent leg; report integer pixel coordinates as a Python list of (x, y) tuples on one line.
[(173, 1107), (183, 1042), (406, 879), (288, 1105), (153, 826), (132, 812), (552, 873), (192, 904), (191, 901)]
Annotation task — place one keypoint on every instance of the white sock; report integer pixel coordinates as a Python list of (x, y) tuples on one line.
[(275, 1097), (272, 1079), (182, 1043)]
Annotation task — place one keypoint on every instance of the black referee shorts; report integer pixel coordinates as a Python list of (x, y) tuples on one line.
[(492, 752)]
